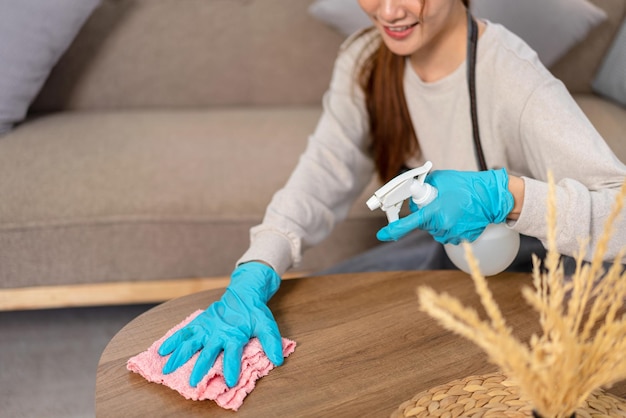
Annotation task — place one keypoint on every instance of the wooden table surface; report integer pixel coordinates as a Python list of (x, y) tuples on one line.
[(363, 348)]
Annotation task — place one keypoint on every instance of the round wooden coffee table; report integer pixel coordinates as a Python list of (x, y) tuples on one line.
[(363, 348)]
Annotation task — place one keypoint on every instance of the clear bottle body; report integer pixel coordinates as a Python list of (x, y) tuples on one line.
[(495, 249)]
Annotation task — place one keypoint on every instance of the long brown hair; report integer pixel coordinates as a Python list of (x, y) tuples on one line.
[(393, 138)]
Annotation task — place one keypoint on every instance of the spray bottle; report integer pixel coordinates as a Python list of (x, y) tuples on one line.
[(494, 249)]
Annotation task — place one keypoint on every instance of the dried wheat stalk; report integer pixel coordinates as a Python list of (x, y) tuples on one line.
[(583, 341)]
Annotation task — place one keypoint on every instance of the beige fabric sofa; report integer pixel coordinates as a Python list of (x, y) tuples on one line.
[(161, 135)]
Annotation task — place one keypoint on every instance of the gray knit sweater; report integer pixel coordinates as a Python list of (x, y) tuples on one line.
[(529, 124)]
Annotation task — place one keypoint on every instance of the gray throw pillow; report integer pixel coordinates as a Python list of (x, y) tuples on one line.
[(550, 27), (610, 81), (33, 36), (346, 16)]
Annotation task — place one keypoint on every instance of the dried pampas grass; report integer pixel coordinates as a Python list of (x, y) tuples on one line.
[(583, 341)]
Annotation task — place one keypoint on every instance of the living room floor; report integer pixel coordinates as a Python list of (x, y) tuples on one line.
[(49, 358)]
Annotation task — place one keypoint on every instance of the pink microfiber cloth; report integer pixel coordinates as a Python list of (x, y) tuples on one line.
[(254, 365)]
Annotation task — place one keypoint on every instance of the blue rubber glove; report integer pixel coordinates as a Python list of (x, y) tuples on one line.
[(228, 325), (465, 204)]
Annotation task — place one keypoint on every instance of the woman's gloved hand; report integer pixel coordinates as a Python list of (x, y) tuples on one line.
[(466, 203), (228, 325)]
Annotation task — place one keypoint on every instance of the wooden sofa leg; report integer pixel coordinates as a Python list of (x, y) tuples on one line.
[(112, 293)]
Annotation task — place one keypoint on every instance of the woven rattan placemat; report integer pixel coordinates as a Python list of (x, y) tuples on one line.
[(492, 395)]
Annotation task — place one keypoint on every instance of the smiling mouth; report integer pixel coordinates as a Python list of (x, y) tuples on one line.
[(399, 32), (401, 28)]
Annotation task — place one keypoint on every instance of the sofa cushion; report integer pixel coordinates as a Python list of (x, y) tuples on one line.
[(193, 53), (33, 35), (101, 196), (608, 118), (611, 79)]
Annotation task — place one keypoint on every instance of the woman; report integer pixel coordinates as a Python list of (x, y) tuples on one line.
[(399, 96)]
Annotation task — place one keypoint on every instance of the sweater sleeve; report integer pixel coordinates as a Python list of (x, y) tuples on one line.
[(557, 136), (331, 173)]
